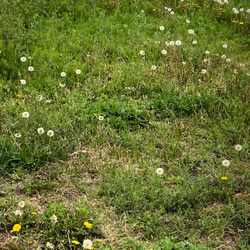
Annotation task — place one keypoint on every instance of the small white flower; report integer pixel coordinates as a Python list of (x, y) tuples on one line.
[(142, 52), (226, 163), (184, 63), (23, 59), (158, 42), (172, 12), (21, 204), (87, 244), (78, 71), (23, 82), (203, 71), (162, 27), (164, 52), (187, 21), (30, 68), (178, 42), (171, 43), (50, 133), (40, 131), (238, 147), (207, 52), (39, 98), (233, 9), (194, 42), (153, 67), (18, 135), (49, 245), (241, 9), (25, 114), (223, 56), (63, 74), (53, 218), (190, 31), (100, 118), (228, 60), (62, 85), (159, 171), (248, 11), (224, 46), (18, 212)]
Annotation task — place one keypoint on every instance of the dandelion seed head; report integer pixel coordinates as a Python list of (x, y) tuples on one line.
[(159, 171), (39, 98), (224, 46), (228, 60), (23, 59), (187, 21), (171, 43), (207, 52), (23, 82), (78, 71), (226, 163), (40, 131), (203, 71), (18, 212), (162, 28), (153, 67), (142, 52), (53, 218), (63, 74), (49, 245), (50, 133), (238, 147), (223, 56), (21, 204), (164, 52), (100, 118), (25, 114), (191, 31), (178, 42), (18, 135), (87, 244), (30, 68), (194, 42)]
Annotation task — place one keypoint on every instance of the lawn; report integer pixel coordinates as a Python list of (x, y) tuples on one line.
[(124, 124)]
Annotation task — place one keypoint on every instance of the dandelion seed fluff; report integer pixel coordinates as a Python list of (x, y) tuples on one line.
[(203, 71), (18, 135), (207, 52), (187, 21), (172, 12), (21, 204), (159, 171), (226, 163), (30, 68), (171, 43), (100, 118), (162, 27), (87, 244), (223, 56), (40, 131), (25, 114), (178, 42), (18, 212), (23, 59), (142, 52), (78, 71), (63, 74), (190, 31), (228, 60), (49, 245), (53, 218), (50, 133), (224, 46), (153, 67), (164, 52), (194, 42), (238, 147), (23, 82)]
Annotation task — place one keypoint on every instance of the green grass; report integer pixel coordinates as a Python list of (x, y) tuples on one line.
[(120, 120)]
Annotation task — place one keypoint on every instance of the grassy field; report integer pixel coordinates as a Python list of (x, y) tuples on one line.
[(124, 124)]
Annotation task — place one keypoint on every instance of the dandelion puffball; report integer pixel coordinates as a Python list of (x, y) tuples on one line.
[(63, 74), (30, 68), (162, 27), (25, 114), (50, 133), (153, 67), (87, 244), (226, 163), (159, 171), (238, 147), (23, 59), (78, 71), (142, 52), (40, 131), (164, 52)]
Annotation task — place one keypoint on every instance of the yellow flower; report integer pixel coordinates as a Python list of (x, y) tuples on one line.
[(224, 178), (19, 95), (99, 240), (241, 23), (91, 248), (75, 242), (29, 242), (87, 225), (16, 227), (153, 9), (34, 213)]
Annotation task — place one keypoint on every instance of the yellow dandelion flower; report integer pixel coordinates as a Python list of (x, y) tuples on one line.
[(234, 21), (91, 248), (75, 242), (16, 227), (87, 224), (153, 9), (19, 95), (29, 242), (224, 178), (241, 23), (34, 213), (98, 240)]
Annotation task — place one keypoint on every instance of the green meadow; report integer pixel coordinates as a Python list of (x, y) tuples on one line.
[(124, 124)]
